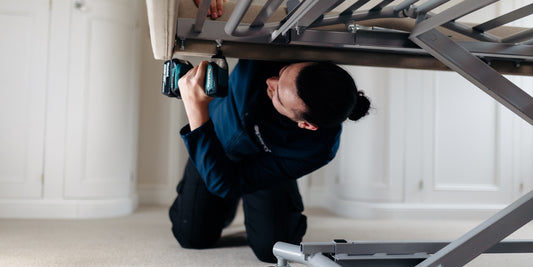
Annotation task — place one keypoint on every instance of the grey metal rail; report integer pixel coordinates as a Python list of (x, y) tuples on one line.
[(457, 11), (266, 13), (519, 37), (307, 13), (355, 6), (506, 18), (203, 8), (232, 27), (286, 253), (429, 5)]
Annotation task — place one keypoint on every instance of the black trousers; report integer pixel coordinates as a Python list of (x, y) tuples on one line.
[(271, 215)]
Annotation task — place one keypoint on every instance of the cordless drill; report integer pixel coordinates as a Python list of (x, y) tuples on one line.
[(216, 76)]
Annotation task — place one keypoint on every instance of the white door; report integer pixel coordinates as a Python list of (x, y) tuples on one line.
[(460, 149), (102, 100), (23, 65), (370, 156)]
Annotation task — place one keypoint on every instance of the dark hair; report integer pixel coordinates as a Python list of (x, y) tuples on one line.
[(330, 94)]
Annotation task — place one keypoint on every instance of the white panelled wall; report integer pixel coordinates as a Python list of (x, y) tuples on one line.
[(22, 99), (69, 87), (78, 140), (434, 146)]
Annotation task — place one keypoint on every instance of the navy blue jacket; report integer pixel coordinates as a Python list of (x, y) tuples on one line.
[(247, 145)]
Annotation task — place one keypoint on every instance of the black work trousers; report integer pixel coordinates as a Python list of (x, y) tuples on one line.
[(271, 215)]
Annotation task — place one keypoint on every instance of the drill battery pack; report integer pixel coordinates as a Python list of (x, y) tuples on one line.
[(173, 70), (216, 77)]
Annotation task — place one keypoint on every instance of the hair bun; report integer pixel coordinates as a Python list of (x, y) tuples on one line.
[(361, 108)]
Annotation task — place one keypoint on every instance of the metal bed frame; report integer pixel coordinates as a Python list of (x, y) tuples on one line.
[(481, 58)]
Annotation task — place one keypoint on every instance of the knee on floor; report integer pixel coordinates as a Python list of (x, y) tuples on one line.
[(194, 236), (192, 241), (263, 251)]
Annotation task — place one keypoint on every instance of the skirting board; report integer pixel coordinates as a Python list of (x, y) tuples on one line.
[(156, 194), (417, 211), (318, 197), (67, 209)]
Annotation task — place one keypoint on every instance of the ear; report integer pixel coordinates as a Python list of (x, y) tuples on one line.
[(307, 126)]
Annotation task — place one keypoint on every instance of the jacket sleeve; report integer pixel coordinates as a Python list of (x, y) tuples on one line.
[(226, 178)]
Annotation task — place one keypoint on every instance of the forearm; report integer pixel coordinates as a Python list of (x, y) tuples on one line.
[(195, 100), (196, 115)]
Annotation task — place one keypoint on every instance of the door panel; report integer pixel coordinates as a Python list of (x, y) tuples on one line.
[(23, 50), (102, 105)]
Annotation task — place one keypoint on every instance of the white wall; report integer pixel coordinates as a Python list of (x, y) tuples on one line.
[(68, 105), (160, 151), (434, 146)]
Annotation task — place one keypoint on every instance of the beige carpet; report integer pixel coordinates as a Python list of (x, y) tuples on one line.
[(144, 239)]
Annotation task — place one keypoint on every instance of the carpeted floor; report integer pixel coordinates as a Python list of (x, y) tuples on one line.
[(144, 239)]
